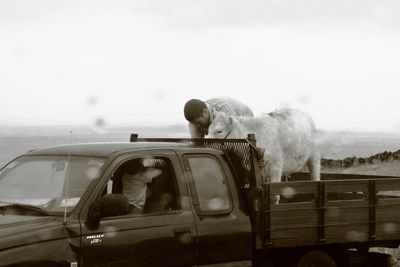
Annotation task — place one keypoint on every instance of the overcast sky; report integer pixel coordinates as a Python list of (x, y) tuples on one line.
[(138, 62)]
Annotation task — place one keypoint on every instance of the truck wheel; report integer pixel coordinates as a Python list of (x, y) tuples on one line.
[(316, 258)]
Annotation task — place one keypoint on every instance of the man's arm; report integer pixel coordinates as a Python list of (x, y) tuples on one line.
[(151, 173), (146, 176)]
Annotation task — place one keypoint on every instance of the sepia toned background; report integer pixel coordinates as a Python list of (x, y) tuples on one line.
[(87, 71)]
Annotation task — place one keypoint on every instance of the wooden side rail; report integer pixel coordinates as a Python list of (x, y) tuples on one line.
[(332, 211)]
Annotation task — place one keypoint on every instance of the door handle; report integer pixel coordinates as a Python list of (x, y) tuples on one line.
[(183, 234), (181, 230)]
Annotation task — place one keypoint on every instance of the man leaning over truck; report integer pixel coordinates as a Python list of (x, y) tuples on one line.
[(200, 113)]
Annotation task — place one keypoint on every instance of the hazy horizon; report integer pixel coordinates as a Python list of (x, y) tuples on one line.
[(333, 144), (85, 61)]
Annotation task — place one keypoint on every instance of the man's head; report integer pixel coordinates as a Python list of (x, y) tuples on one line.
[(196, 112)]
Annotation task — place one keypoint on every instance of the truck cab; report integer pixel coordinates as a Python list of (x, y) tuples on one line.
[(192, 214)]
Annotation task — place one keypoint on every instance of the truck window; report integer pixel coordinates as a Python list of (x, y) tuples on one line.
[(210, 185), (148, 183)]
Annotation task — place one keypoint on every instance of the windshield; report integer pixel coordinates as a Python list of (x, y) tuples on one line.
[(52, 183)]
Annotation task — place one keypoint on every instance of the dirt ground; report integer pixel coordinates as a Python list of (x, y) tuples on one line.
[(391, 168)]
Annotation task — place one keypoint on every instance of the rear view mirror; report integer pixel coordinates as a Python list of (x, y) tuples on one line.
[(108, 205)]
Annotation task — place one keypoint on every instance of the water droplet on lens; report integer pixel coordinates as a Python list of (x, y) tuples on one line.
[(288, 192), (110, 231), (389, 228), (333, 212), (99, 125), (92, 172), (92, 100), (356, 236), (215, 204)]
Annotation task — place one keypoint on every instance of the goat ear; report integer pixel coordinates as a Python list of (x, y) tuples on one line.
[(214, 111)]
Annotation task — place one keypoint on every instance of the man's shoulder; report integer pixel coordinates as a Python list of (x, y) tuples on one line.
[(220, 102), (229, 105), (224, 100), (220, 99)]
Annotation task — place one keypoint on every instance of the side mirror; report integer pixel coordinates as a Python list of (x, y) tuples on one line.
[(114, 205), (108, 205)]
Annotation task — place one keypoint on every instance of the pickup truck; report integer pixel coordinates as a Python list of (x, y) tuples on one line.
[(209, 205)]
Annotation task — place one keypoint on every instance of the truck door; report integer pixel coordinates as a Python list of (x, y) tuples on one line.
[(224, 231), (162, 233)]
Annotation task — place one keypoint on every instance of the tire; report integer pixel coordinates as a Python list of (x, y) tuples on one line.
[(316, 258)]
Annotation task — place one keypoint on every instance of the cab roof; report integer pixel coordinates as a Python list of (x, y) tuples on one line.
[(103, 149)]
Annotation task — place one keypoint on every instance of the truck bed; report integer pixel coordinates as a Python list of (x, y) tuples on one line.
[(345, 209)]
